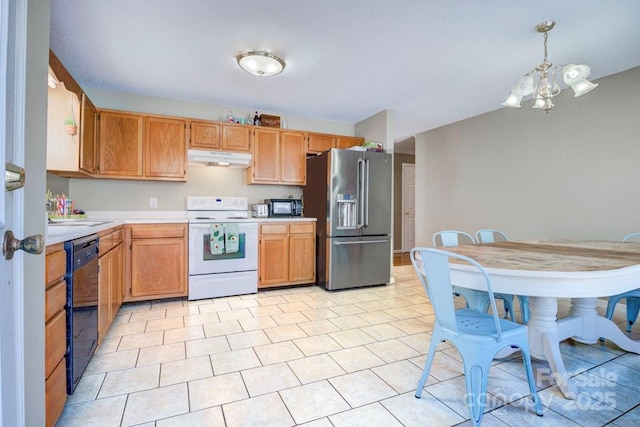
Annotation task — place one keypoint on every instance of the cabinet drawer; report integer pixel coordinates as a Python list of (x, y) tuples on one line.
[(106, 243), (56, 393), (305, 228), (153, 231), (54, 299), (56, 266), (117, 236), (273, 229), (55, 341)]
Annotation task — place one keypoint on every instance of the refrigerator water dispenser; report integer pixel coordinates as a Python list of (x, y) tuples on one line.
[(347, 216)]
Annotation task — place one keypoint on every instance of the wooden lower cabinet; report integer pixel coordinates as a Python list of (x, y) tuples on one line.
[(110, 278), (287, 254), (55, 339), (157, 261)]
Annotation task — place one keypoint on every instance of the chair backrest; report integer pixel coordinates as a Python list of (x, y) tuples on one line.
[(632, 236), (432, 267), (451, 238), (488, 235)]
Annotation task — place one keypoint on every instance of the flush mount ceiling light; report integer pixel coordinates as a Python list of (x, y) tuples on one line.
[(540, 82), (260, 63)]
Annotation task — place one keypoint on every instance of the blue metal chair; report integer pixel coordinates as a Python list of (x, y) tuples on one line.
[(632, 297), (474, 299), (489, 235), (478, 336)]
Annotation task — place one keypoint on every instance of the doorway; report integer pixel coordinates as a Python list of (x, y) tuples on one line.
[(408, 206)]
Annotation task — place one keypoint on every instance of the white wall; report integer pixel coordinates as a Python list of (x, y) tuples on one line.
[(571, 173)]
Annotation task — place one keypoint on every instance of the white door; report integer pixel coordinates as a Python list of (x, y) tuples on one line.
[(408, 206), (13, 42)]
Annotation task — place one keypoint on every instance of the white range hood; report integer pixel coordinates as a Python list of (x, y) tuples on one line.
[(219, 158)]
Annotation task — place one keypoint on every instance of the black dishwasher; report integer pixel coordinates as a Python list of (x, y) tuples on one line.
[(82, 306)]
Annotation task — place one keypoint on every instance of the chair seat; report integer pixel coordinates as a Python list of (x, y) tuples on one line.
[(475, 323)]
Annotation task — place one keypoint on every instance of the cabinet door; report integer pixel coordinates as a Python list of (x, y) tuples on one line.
[(266, 152), (88, 136), (293, 160), (205, 135), (158, 267), (302, 253), (349, 141), (236, 137), (165, 149), (317, 142), (104, 295), (120, 144), (117, 280), (274, 260)]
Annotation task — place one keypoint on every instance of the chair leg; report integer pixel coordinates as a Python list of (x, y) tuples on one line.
[(526, 358), (524, 308), (427, 367), (476, 378), (611, 305), (633, 306)]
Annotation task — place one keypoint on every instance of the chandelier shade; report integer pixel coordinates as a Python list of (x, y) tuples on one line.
[(260, 63), (541, 83)]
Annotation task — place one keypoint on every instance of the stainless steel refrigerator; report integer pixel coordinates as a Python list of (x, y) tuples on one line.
[(349, 192)]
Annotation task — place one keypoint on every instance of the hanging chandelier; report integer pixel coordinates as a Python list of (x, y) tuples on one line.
[(541, 83)]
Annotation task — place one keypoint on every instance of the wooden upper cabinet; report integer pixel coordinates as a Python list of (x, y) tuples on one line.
[(236, 137), (121, 144), (266, 154), (317, 142), (293, 164), (205, 135), (348, 141), (70, 154), (88, 136), (165, 149)]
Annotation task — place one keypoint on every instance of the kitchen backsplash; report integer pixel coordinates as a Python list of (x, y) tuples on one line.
[(109, 194)]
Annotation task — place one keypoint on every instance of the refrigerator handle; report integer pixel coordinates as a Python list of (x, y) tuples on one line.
[(366, 193), (360, 193)]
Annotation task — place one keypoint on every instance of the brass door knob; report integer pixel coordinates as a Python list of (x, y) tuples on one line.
[(31, 244)]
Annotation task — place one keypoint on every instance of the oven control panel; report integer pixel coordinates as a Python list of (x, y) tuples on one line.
[(207, 203)]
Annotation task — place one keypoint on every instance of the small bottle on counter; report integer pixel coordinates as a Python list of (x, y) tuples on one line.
[(256, 119)]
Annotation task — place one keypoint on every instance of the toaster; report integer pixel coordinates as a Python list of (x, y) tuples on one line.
[(259, 210)]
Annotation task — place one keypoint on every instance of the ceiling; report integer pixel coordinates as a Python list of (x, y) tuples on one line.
[(433, 62)]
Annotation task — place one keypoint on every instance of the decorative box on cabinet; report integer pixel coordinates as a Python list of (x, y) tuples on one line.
[(55, 333), (156, 261), (287, 254)]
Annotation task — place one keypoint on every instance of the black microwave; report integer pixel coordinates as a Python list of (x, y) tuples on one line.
[(284, 208)]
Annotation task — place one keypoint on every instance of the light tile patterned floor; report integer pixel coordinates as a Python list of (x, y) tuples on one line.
[(307, 356)]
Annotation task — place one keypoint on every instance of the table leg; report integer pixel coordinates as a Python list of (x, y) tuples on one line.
[(544, 341), (592, 326)]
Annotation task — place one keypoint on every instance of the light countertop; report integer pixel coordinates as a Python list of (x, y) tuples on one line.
[(104, 220)]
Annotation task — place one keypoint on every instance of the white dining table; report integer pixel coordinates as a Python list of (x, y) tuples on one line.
[(545, 270)]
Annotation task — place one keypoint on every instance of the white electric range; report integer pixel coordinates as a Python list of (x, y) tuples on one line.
[(231, 269)]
